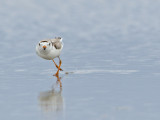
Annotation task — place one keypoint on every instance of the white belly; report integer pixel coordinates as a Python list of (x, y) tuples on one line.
[(51, 55)]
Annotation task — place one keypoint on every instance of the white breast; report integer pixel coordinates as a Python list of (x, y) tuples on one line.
[(51, 54)]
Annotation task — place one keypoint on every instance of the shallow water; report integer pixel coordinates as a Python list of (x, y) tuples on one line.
[(111, 52)]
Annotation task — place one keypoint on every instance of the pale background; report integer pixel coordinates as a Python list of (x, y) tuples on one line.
[(111, 46)]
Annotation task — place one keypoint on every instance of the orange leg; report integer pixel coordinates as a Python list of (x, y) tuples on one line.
[(57, 73), (57, 65), (59, 81)]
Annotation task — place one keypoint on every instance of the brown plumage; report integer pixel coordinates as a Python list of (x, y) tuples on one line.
[(56, 42)]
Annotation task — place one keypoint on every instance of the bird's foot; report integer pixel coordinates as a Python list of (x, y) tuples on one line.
[(57, 74), (61, 69)]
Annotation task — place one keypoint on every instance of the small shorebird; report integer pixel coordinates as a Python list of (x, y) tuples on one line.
[(50, 49)]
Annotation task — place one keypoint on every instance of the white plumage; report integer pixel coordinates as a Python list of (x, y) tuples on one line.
[(50, 49)]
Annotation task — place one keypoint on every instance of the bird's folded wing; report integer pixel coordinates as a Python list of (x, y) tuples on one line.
[(57, 45), (57, 39), (57, 42)]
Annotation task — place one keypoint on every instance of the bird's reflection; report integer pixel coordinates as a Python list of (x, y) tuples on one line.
[(52, 100)]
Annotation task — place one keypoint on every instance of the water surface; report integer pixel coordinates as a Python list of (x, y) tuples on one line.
[(111, 51)]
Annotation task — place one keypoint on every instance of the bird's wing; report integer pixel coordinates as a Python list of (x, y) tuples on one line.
[(57, 42), (57, 45), (57, 39)]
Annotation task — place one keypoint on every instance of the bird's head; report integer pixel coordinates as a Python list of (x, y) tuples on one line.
[(44, 46)]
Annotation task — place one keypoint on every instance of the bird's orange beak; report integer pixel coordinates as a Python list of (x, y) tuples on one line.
[(44, 47)]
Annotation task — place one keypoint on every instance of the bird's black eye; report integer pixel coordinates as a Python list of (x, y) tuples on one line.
[(39, 44)]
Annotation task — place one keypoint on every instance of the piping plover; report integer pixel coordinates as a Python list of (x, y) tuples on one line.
[(50, 49)]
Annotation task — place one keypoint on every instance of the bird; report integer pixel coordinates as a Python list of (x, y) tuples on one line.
[(49, 49)]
